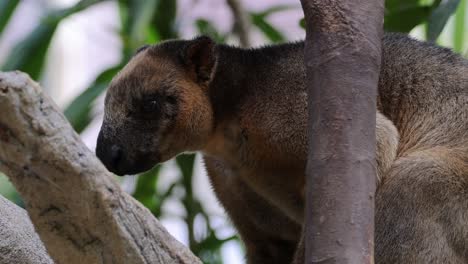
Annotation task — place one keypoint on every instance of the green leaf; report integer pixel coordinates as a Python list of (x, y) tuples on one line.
[(392, 6), (7, 7), (186, 163), (8, 191), (302, 23), (404, 20), (439, 17), (260, 21), (79, 110), (267, 29), (146, 190), (152, 36), (136, 19), (141, 13), (459, 30), (30, 53), (164, 19), (206, 28), (212, 242)]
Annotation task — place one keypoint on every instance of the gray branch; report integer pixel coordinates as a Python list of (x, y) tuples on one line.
[(19, 243), (77, 208)]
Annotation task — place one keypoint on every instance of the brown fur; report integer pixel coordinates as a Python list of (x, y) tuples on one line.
[(245, 110)]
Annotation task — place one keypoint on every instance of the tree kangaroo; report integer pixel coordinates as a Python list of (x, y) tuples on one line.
[(245, 110)]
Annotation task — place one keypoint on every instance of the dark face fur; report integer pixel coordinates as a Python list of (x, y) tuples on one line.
[(158, 106)]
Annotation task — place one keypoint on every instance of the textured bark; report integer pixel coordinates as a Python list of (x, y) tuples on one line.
[(78, 210), (19, 243), (342, 56)]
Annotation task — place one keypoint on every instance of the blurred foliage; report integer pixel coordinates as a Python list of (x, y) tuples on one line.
[(206, 28), (404, 15), (8, 191), (460, 29), (260, 20), (152, 21), (29, 54), (6, 10), (78, 111), (440, 14)]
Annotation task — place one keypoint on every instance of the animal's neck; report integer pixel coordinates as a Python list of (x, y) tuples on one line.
[(230, 82), (248, 83), (241, 72)]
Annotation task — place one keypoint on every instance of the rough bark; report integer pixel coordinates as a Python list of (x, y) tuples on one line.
[(79, 211), (19, 243), (342, 56)]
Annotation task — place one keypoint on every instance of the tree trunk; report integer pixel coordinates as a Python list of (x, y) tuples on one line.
[(342, 57), (79, 211), (19, 243)]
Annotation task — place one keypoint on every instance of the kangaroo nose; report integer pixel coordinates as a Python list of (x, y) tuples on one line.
[(115, 155), (111, 154)]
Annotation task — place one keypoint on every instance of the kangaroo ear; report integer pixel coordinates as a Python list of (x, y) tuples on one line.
[(200, 57)]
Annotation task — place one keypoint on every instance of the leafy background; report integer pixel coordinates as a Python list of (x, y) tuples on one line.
[(175, 184)]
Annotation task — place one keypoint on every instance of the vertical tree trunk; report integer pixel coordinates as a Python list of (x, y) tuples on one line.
[(342, 56)]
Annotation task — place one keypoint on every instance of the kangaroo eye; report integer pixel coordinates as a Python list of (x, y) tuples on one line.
[(150, 106), (171, 99)]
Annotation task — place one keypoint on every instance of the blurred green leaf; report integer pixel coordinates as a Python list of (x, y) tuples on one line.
[(8, 191), (136, 19), (30, 53), (302, 23), (259, 19), (146, 190), (206, 28), (152, 35), (141, 13), (164, 19), (460, 25), (439, 18), (7, 7), (186, 164), (209, 250), (267, 29), (212, 242), (79, 110), (404, 20), (404, 15), (394, 6)]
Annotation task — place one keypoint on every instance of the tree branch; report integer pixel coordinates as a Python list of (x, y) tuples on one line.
[(241, 22), (19, 243), (342, 57), (79, 211)]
